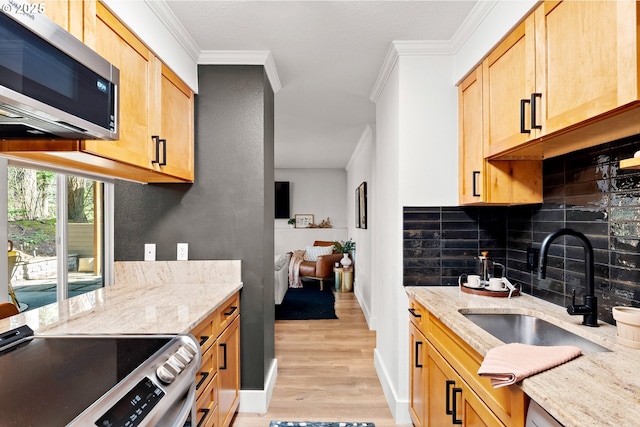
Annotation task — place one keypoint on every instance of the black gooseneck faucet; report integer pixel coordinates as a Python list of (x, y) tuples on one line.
[(589, 309)]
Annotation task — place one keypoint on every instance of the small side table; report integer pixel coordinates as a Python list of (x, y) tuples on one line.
[(343, 277)]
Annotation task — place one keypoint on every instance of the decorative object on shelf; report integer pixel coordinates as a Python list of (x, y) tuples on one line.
[(325, 223), (304, 220), (361, 205), (291, 222)]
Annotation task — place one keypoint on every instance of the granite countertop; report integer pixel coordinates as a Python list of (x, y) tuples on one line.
[(148, 298), (596, 389)]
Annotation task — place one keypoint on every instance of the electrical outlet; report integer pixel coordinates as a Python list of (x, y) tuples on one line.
[(183, 251), (532, 258), (149, 251)]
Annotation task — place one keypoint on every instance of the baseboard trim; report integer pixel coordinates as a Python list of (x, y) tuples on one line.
[(399, 408), (257, 401), (365, 310)]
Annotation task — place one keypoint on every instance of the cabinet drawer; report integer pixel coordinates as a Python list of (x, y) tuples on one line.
[(227, 313), (418, 315), (207, 405), (207, 370), (206, 333)]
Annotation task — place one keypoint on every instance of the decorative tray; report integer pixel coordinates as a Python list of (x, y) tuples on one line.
[(486, 292)]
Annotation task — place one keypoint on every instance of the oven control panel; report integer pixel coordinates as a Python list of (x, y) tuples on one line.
[(133, 407)]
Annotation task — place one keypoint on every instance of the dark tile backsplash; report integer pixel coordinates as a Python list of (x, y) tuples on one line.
[(585, 190)]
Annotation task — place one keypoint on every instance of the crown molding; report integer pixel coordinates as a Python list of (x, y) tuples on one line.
[(407, 48), (365, 137), (437, 47), (244, 57), (477, 15), (175, 28)]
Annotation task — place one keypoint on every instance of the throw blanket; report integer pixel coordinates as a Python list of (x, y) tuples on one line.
[(294, 268), (510, 363)]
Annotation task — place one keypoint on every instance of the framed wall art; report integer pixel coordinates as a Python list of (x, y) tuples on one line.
[(304, 220), (357, 207), (362, 204)]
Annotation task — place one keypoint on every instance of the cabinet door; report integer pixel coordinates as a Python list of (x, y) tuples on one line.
[(228, 372), (77, 17), (586, 59), (508, 81), (451, 400), (175, 112), (135, 62), (470, 149), (489, 182), (418, 371)]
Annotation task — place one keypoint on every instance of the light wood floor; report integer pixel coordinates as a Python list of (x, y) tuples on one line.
[(325, 371)]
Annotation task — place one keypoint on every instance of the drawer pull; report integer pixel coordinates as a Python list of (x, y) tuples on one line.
[(523, 102), (476, 174), (204, 377), (533, 110), (230, 312), (224, 356), (455, 420), (414, 314), (204, 411), (203, 339), (417, 354), (448, 409)]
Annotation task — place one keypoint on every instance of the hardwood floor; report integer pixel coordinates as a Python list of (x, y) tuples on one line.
[(325, 371)]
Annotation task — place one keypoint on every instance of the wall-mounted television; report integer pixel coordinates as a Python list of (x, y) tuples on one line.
[(282, 199)]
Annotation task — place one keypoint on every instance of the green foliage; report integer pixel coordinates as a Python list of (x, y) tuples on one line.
[(344, 247)]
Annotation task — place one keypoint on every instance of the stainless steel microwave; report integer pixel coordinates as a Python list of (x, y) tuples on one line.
[(52, 86)]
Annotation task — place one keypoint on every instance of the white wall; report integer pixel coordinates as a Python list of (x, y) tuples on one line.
[(320, 192), (360, 169), (390, 355), (428, 131)]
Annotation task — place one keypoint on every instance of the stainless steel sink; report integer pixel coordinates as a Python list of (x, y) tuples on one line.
[(525, 329)]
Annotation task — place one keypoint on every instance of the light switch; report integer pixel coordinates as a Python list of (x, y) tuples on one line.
[(149, 251)]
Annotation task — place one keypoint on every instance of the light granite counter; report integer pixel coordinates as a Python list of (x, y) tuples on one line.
[(596, 389), (148, 297)]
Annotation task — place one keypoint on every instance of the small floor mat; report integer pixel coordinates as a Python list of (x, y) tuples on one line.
[(319, 424)]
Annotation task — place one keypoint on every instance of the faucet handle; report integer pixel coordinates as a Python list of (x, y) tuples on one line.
[(573, 297)]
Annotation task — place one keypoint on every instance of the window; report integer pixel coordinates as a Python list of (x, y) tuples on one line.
[(51, 260)]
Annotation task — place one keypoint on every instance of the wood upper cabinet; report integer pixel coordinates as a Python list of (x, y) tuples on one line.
[(156, 115), (156, 107), (135, 61), (567, 76), (482, 181), (175, 126), (77, 17), (508, 85)]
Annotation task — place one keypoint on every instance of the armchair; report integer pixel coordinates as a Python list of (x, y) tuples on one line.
[(322, 267)]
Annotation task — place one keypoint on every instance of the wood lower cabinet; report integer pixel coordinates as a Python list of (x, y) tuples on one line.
[(218, 380), (445, 389)]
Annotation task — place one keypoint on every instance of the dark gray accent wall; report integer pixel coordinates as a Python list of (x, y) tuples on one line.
[(585, 190), (227, 213)]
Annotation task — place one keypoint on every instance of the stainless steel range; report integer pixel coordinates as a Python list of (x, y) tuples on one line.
[(101, 380)]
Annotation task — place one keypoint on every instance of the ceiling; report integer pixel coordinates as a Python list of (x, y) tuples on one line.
[(327, 56)]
